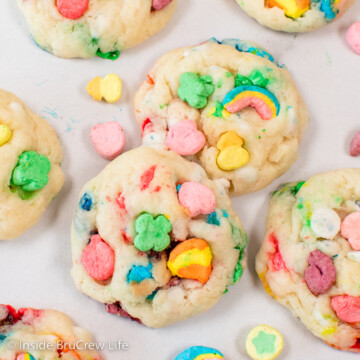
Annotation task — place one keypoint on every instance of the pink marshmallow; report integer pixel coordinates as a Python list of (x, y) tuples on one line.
[(185, 139), (160, 4), (350, 230), (262, 109), (72, 9), (353, 37), (198, 198), (320, 276), (98, 259), (355, 145), (108, 139), (347, 308)]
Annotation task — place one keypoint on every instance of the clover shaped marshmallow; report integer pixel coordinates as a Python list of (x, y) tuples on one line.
[(195, 89), (152, 233), (31, 171)]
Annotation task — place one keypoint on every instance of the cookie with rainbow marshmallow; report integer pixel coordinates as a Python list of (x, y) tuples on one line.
[(30, 173), (152, 235), (310, 258), (87, 28), (295, 15), (229, 106), (31, 334)]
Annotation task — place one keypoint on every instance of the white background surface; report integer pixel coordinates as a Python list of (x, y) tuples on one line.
[(35, 269)]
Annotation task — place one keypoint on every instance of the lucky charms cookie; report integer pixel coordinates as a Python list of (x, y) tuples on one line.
[(30, 334), (310, 258), (295, 15), (30, 173), (87, 28), (152, 235), (228, 106)]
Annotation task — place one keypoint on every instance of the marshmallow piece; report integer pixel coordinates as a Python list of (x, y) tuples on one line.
[(325, 223), (350, 230), (353, 37), (197, 198), (320, 276), (200, 353), (160, 4), (191, 259), (347, 308), (72, 9), (24, 356), (109, 88), (264, 343), (232, 155), (5, 134), (355, 145), (185, 139), (108, 139), (98, 259)]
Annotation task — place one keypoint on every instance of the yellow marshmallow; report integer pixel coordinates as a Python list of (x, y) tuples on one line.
[(111, 88), (232, 155), (328, 331), (5, 134), (108, 88), (230, 138), (94, 88), (292, 8)]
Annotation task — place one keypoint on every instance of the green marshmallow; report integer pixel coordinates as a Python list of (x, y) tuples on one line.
[(31, 171), (258, 79), (219, 108), (264, 343), (239, 270), (241, 241), (152, 233), (241, 80), (195, 89)]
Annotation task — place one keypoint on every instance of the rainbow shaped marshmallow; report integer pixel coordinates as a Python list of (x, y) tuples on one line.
[(24, 356), (262, 100), (200, 353), (191, 259)]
